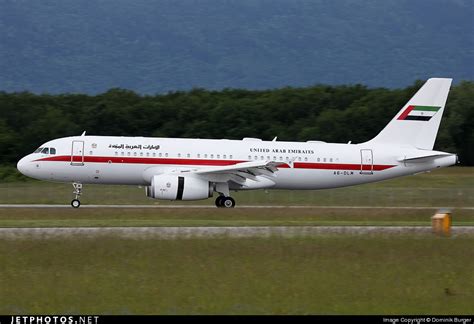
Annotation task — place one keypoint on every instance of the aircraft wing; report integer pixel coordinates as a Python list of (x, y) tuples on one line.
[(255, 171), (247, 169)]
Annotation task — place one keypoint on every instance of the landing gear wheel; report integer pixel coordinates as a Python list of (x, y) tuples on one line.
[(75, 203), (228, 202), (219, 201)]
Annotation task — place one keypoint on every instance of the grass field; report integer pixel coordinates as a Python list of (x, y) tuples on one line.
[(327, 274), (449, 187), (322, 275), (60, 217)]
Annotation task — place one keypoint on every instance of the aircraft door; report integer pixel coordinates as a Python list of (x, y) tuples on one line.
[(77, 153), (366, 162)]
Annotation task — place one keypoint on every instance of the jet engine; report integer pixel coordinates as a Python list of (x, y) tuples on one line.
[(177, 187)]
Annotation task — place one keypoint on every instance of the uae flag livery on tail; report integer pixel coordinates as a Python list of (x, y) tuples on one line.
[(423, 113)]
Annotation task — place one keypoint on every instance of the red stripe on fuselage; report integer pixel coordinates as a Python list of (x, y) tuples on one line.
[(194, 162), (140, 160)]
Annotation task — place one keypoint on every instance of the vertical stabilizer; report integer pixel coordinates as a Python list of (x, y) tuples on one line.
[(417, 123)]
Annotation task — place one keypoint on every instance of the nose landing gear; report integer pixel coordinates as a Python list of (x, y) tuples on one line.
[(75, 203)]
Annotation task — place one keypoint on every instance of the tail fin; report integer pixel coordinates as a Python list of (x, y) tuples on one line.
[(418, 122)]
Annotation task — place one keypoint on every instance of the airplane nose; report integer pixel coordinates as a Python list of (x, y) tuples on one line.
[(22, 165)]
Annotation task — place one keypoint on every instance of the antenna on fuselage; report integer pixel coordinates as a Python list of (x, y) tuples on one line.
[(274, 139), (83, 133)]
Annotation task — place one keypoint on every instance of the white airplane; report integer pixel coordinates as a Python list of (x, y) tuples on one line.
[(192, 169)]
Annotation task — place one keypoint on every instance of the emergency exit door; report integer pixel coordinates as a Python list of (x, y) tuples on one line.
[(366, 162), (77, 153)]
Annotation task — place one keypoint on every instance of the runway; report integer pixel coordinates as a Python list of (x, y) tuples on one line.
[(243, 206), (216, 232)]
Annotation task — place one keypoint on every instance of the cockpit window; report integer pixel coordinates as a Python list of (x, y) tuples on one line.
[(46, 150)]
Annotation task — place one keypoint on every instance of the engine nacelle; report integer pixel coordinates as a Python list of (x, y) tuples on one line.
[(177, 187)]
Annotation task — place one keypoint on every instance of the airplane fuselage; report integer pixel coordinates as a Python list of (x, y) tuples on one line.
[(304, 165)]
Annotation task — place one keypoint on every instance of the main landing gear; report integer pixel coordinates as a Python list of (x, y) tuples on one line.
[(75, 203), (225, 202)]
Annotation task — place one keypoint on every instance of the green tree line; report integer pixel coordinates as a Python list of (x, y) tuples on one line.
[(328, 113)]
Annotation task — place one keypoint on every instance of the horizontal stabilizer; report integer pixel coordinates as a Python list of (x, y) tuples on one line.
[(415, 158)]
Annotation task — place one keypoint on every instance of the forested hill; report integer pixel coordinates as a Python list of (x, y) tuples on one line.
[(327, 113), (90, 46)]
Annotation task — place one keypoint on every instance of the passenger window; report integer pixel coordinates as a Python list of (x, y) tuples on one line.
[(230, 156), (52, 150), (224, 156), (45, 151)]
